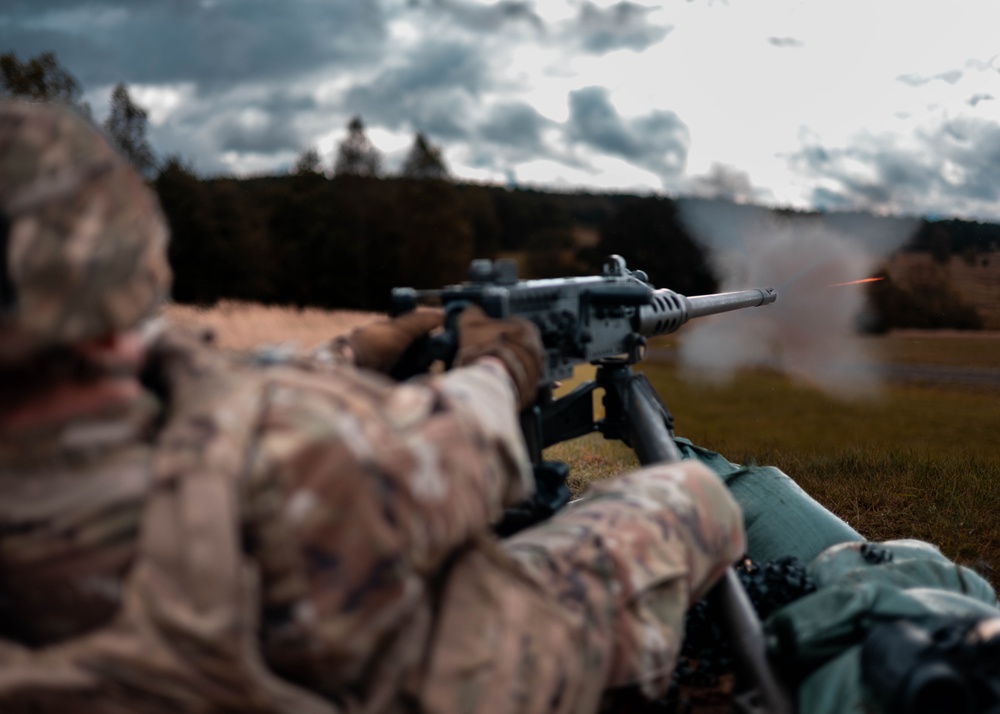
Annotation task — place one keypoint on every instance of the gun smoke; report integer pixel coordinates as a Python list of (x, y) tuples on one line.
[(811, 332)]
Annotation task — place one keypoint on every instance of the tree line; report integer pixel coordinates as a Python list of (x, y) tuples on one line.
[(346, 241), (343, 238)]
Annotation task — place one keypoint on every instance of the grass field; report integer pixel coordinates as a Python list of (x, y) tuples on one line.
[(940, 347), (920, 460)]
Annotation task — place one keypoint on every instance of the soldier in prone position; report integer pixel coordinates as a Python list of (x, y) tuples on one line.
[(182, 530)]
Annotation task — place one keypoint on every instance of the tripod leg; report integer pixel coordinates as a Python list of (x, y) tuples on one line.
[(643, 421)]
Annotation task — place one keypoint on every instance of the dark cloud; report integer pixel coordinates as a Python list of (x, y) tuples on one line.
[(594, 121), (657, 142), (479, 18), (897, 175), (953, 169), (815, 155), (977, 151), (785, 42), (212, 44), (243, 69), (273, 129), (33, 9), (952, 76), (79, 55), (268, 138), (620, 26), (914, 80), (515, 124), (270, 126), (667, 141), (234, 54), (432, 90), (828, 199), (29, 10)]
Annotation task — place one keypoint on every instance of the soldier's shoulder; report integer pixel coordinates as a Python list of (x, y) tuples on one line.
[(302, 401), (319, 369)]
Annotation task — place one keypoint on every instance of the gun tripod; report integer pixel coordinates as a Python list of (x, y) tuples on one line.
[(635, 415)]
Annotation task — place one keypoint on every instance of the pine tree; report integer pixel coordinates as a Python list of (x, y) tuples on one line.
[(39, 79), (357, 156), (424, 160), (126, 127), (308, 163)]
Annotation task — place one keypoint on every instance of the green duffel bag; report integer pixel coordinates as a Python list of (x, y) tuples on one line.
[(780, 518), (892, 627)]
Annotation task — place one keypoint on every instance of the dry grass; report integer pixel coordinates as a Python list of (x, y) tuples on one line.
[(244, 326)]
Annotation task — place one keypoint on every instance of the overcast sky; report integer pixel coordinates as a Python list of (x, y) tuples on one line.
[(887, 105)]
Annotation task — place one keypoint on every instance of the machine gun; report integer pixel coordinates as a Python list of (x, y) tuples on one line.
[(604, 320), (600, 319), (585, 319)]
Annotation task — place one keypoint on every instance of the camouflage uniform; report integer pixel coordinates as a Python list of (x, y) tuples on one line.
[(245, 539)]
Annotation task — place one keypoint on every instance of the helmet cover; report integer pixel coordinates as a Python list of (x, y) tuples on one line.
[(82, 238)]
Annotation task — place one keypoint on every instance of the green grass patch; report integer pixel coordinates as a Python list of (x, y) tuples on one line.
[(914, 461), (764, 410)]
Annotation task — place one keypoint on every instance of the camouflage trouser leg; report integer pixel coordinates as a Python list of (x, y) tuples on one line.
[(593, 599)]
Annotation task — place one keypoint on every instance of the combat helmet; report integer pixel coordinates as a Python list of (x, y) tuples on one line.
[(82, 238)]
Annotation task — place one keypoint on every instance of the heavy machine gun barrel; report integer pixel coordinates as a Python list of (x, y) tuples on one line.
[(668, 310)]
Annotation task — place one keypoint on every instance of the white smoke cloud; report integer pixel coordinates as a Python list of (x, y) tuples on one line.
[(810, 332)]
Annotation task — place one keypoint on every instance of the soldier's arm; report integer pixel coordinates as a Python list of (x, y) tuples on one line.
[(360, 490)]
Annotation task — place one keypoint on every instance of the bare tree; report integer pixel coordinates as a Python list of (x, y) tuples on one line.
[(126, 127), (357, 156)]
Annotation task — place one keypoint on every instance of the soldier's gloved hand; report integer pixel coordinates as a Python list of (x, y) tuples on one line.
[(387, 346), (514, 341)]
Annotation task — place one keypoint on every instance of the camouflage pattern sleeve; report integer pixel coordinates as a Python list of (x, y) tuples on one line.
[(360, 490), (593, 599), (638, 549)]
